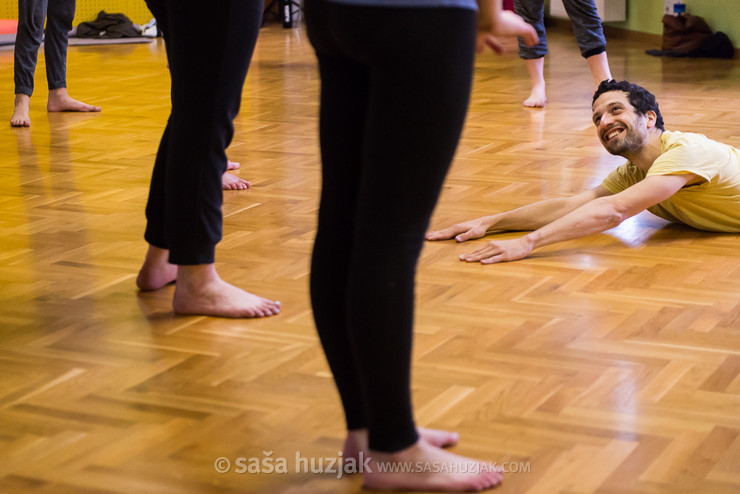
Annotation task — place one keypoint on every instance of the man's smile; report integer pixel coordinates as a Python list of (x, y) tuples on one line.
[(608, 136)]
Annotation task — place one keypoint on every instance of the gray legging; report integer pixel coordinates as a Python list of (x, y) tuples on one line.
[(586, 26), (31, 14)]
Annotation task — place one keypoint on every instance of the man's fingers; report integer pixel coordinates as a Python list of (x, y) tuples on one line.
[(480, 254), (466, 236), (440, 234), (447, 233)]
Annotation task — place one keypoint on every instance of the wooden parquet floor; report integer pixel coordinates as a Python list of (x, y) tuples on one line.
[(609, 364)]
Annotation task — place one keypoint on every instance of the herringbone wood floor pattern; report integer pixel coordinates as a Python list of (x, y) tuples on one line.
[(609, 364)]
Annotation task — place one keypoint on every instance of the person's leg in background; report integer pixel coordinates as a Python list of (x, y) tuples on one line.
[(60, 14), (590, 37), (229, 181), (184, 221), (59, 17), (533, 11), (31, 16), (157, 271), (389, 128)]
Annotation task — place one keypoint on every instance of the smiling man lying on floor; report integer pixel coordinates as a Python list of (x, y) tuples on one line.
[(682, 177)]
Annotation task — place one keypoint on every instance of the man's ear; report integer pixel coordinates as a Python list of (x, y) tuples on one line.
[(651, 117)]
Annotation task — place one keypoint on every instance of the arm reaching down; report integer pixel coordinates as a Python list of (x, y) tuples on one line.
[(596, 216), (494, 21)]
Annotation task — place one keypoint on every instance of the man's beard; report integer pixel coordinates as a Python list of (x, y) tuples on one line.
[(627, 142)]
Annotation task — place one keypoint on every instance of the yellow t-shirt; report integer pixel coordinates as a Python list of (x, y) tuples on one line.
[(713, 205)]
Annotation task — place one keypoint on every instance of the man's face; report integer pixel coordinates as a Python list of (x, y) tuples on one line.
[(619, 127)]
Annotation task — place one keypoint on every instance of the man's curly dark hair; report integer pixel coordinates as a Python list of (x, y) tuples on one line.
[(640, 98)]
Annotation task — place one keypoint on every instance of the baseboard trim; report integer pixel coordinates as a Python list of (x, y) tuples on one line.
[(651, 41)]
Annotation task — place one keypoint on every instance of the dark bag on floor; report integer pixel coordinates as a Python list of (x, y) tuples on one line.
[(690, 36), (718, 45), (684, 33), (108, 26)]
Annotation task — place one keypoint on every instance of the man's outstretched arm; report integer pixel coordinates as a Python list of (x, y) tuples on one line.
[(529, 217), (596, 216)]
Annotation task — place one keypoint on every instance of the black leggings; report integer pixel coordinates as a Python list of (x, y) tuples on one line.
[(395, 84), (209, 53)]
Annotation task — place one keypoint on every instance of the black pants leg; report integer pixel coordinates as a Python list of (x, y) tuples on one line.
[(185, 197), (395, 89)]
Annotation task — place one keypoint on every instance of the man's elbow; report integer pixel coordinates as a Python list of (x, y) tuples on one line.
[(612, 212), (613, 220)]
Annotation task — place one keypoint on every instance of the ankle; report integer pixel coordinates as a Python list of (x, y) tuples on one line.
[(538, 85), (400, 455), (58, 93), (193, 276)]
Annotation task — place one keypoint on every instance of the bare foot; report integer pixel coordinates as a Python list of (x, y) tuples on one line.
[(232, 165), (199, 290), (59, 100), (21, 112), (537, 98), (156, 271), (432, 469), (536, 70), (230, 182), (356, 440)]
